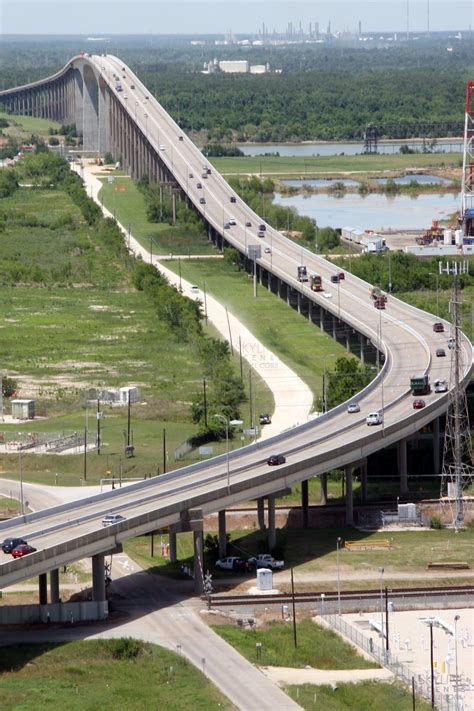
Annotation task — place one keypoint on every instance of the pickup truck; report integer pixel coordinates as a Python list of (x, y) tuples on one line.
[(265, 560)]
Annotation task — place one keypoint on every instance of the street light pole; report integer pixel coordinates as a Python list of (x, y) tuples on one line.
[(432, 666), (338, 542), (227, 423), (381, 570), (456, 620), (22, 510)]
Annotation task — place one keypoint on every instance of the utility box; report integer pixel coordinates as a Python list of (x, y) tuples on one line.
[(124, 394), (407, 512), (23, 409), (264, 579)]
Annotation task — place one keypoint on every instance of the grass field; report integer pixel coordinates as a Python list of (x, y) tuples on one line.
[(8, 507), (410, 551), (314, 166), (103, 674), (304, 348), (125, 201), (316, 646), (356, 697), (23, 126)]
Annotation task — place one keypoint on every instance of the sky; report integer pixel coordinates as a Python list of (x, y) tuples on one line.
[(194, 17)]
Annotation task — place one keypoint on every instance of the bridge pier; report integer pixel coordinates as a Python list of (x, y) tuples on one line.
[(43, 588), (436, 452), (54, 586), (98, 578), (349, 500), (271, 523), (402, 466), (362, 345), (172, 544), (304, 503), (324, 488), (222, 535), (198, 536), (261, 513), (363, 480)]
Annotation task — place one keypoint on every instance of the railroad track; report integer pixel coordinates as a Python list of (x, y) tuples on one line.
[(347, 595)]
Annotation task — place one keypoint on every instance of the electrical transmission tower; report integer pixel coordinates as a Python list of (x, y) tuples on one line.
[(457, 473)]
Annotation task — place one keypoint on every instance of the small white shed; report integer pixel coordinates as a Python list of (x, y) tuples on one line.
[(264, 579)]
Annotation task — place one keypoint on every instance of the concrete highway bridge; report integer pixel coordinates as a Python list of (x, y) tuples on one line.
[(127, 121)]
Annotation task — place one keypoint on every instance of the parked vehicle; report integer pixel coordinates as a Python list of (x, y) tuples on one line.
[(265, 560), (10, 543), (22, 549), (276, 459), (111, 519), (316, 282), (420, 384), (374, 418), (440, 386), (231, 562), (302, 273)]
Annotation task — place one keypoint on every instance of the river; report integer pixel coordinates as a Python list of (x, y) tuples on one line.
[(350, 149)]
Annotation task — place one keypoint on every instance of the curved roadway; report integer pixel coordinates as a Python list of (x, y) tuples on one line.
[(403, 333)]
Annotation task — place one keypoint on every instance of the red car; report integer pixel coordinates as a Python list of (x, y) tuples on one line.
[(23, 549), (418, 404)]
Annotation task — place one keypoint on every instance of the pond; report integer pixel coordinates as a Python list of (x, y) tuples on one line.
[(421, 179), (374, 211), (320, 183), (332, 149)]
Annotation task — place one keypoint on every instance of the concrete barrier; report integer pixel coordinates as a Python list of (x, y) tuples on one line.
[(67, 612)]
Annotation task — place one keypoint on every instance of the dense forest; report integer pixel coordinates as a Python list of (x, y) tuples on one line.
[(326, 92)]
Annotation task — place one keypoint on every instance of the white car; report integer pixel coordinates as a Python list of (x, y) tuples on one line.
[(353, 407), (232, 221), (162, 148), (194, 289), (374, 418), (440, 386), (451, 342), (111, 519), (267, 250)]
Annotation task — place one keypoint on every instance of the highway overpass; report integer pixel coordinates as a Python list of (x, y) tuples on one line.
[(132, 124)]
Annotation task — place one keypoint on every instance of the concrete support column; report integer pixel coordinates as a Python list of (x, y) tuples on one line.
[(349, 501), (436, 455), (261, 513), (198, 561), (98, 578), (298, 302), (271, 523), (173, 547), (222, 535), (348, 341), (43, 588), (402, 466), (304, 503), (361, 344), (54, 586), (324, 488), (363, 480), (334, 327)]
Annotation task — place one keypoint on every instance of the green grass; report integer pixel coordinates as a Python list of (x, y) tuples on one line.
[(312, 166), (299, 344), (85, 676), (410, 551), (8, 507), (125, 201), (316, 646), (23, 126), (356, 697)]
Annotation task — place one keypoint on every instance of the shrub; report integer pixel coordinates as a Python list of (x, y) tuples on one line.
[(435, 522), (127, 648)]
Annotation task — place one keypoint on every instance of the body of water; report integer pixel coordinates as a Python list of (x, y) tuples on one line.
[(333, 149), (375, 211), (320, 183), (421, 179)]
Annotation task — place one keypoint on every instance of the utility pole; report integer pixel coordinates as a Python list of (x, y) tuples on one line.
[(99, 414), (164, 450), (294, 608), (128, 420), (205, 401)]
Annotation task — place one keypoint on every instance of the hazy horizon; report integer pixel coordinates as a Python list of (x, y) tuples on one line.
[(197, 17)]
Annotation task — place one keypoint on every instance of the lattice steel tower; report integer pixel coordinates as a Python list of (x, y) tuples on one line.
[(457, 473), (467, 182)]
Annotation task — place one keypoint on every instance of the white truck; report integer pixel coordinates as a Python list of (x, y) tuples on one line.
[(265, 560)]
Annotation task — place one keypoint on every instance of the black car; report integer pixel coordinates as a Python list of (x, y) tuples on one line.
[(440, 353), (276, 459), (227, 226), (199, 186), (262, 227), (233, 198), (265, 419), (10, 543), (248, 224), (202, 201)]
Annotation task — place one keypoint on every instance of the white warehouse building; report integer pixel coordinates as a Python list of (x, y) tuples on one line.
[(240, 66)]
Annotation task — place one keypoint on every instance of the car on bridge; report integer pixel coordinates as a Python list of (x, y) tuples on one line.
[(267, 250), (112, 519), (248, 224), (418, 404), (374, 418), (438, 327), (10, 543), (451, 342), (276, 459), (203, 202), (22, 549), (262, 227), (199, 186), (353, 407), (233, 198), (261, 233), (232, 221), (440, 353), (227, 226), (440, 386)]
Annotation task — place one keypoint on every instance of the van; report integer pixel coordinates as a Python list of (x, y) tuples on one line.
[(374, 418)]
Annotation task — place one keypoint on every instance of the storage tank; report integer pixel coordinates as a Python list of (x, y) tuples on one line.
[(458, 237), (448, 236)]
